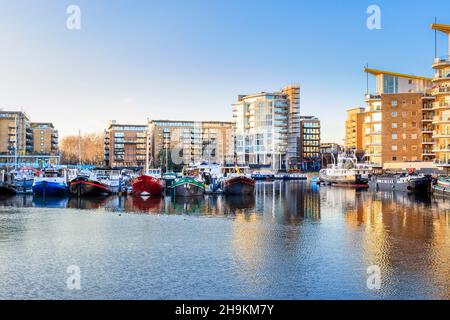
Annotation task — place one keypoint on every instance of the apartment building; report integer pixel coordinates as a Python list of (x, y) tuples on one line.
[(45, 138), (309, 151), (441, 104), (267, 128), (396, 119), (354, 130), (126, 145), (193, 141), (16, 135)]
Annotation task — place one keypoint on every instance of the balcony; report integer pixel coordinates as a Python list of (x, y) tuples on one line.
[(427, 119), (441, 134), (428, 141), (441, 90), (371, 97), (442, 163), (441, 62), (441, 119), (441, 105), (441, 149)]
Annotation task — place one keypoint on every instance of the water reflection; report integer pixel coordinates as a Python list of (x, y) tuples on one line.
[(289, 240)]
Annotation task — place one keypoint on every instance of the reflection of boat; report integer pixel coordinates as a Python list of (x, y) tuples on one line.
[(51, 182), (240, 184), (88, 186), (148, 204), (149, 184), (50, 202), (234, 202), (86, 203), (347, 172), (403, 183), (187, 187)]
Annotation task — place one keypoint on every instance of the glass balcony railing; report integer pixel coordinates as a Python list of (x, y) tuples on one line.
[(441, 60)]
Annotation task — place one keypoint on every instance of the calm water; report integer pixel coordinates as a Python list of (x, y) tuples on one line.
[(290, 241)]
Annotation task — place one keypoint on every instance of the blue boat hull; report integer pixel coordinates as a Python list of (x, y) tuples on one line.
[(51, 189)]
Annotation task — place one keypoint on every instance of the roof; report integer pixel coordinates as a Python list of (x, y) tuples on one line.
[(376, 72), (441, 27)]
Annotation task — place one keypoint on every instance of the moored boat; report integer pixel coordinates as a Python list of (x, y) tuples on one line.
[(441, 187), (240, 184), (88, 185), (51, 182), (263, 175), (148, 184), (187, 187), (402, 183), (22, 180), (346, 172)]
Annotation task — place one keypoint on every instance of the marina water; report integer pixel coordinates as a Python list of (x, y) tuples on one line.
[(292, 240)]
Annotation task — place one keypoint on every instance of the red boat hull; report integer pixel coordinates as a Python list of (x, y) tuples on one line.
[(146, 185)]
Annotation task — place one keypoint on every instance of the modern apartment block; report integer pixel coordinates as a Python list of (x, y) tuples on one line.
[(441, 104), (354, 130), (16, 135), (268, 128), (309, 151), (396, 119), (45, 138), (126, 145), (196, 141)]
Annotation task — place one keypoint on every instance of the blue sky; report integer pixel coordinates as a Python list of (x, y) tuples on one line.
[(140, 59)]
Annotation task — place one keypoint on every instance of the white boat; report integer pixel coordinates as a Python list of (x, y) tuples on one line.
[(346, 171)]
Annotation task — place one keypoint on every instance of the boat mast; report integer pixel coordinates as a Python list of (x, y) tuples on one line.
[(16, 144), (79, 148)]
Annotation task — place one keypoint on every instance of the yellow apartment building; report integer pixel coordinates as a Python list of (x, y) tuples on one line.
[(354, 129)]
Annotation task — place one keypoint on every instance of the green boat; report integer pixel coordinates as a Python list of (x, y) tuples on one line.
[(187, 187)]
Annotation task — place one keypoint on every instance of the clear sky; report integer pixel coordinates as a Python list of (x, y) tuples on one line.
[(189, 59)]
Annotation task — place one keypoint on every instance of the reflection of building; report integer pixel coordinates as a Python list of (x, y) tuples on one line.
[(309, 143), (268, 128), (441, 107), (45, 138), (393, 122), (211, 141), (125, 145)]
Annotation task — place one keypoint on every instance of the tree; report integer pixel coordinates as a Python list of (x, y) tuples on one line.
[(91, 148)]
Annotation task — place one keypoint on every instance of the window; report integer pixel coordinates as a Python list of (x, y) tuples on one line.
[(394, 114), (405, 148), (394, 158), (414, 148), (404, 114), (404, 136), (410, 81), (414, 124), (404, 125), (394, 136), (394, 125), (414, 136), (394, 103), (394, 148), (414, 113)]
